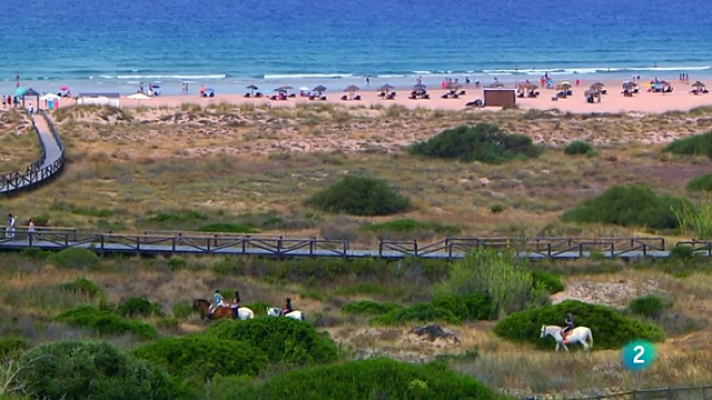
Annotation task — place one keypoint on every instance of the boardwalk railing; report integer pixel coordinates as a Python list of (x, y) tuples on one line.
[(155, 242), (38, 172), (684, 393)]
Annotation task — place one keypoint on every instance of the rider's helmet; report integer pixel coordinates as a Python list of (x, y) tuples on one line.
[(289, 300), (217, 290)]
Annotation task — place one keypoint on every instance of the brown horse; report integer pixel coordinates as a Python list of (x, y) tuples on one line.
[(222, 312)]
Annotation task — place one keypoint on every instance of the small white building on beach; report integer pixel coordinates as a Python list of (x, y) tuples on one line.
[(100, 99)]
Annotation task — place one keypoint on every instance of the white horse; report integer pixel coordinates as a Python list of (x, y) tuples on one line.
[(296, 314), (244, 313), (580, 334)]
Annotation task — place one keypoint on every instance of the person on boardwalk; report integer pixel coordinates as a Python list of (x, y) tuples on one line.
[(10, 227), (30, 230)]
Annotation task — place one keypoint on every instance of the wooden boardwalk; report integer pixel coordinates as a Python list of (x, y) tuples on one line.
[(48, 166), (177, 243)]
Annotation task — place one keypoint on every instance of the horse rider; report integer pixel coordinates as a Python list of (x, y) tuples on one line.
[(217, 301), (287, 307), (236, 304), (569, 321)]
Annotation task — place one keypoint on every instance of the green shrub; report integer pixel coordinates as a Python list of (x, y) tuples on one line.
[(368, 307), (75, 258), (473, 307), (631, 205), (225, 227), (650, 306), (176, 263), (411, 225), (182, 310), (611, 330), (202, 358), (139, 307), (91, 370), (258, 307), (550, 281), (694, 145), (231, 266), (365, 379), (35, 253), (105, 322), (282, 339), (360, 195), (497, 208), (483, 142), (579, 147), (499, 275), (421, 312), (83, 287), (12, 347), (683, 253), (702, 183)]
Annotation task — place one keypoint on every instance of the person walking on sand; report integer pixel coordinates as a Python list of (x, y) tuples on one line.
[(368, 81), (10, 227)]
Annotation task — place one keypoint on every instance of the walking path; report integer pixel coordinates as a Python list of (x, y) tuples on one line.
[(49, 165)]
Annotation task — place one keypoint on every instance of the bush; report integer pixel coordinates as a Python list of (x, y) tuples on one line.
[(702, 183), (650, 306), (35, 253), (230, 228), (411, 225), (473, 307), (12, 347), (683, 253), (360, 195), (693, 145), (497, 274), (611, 330), (579, 147), (416, 313), (368, 307), (365, 379), (550, 281), (83, 287), (76, 258), (483, 142), (182, 310), (632, 205), (91, 370), (282, 339), (176, 263), (202, 358), (258, 307), (105, 322), (139, 307)]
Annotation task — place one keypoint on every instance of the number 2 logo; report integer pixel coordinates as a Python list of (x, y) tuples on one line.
[(639, 352)]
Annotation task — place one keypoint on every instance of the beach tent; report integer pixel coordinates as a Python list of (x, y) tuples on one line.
[(100, 99), (139, 97), (51, 101), (31, 93)]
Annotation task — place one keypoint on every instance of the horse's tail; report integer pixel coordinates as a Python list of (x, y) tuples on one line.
[(304, 316), (590, 339)]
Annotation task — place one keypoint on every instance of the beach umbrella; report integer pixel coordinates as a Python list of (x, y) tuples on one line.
[(528, 86), (320, 89), (565, 85), (252, 89), (419, 86), (597, 85), (351, 89), (592, 92), (628, 85), (698, 84), (385, 88), (139, 97), (20, 91), (64, 88)]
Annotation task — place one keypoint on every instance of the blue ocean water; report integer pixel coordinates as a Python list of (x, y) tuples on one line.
[(117, 43)]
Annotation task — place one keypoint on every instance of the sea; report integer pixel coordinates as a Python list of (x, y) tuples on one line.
[(115, 45)]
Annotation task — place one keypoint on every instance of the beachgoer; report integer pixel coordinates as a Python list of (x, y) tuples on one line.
[(10, 227), (30, 230)]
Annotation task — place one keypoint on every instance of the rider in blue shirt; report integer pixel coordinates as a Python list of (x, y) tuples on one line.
[(217, 300)]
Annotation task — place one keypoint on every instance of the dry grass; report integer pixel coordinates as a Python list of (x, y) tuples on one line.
[(20, 145)]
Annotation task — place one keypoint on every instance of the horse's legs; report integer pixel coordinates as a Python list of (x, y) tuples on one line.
[(565, 347)]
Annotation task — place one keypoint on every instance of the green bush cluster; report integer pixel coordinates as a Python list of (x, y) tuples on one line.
[(75, 258), (702, 183), (650, 306), (698, 145), (579, 147), (201, 358), (225, 227), (472, 307), (368, 307), (83, 287), (366, 379), (105, 322), (11, 347), (483, 142), (422, 312), (628, 205), (551, 282), (611, 330), (139, 307), (182, 310), (281, 339), (411, 225), (92, 370), (360, 195)]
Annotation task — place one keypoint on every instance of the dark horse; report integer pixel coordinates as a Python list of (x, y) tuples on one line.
[(218, 313)]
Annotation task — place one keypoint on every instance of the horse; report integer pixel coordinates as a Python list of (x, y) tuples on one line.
[(243, 313), (296, 314), (580, 334)]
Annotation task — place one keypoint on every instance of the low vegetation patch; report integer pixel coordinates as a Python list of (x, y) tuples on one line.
[(650, 306), (698, 145), (473, 307), (84, 287), (105, 322), (366, 379), (551, 282), (202, 358), (360, 195), (230, 228), (75, 258), (282, 339), (139, 307), (611, 330), (12, 347), (483, 142), (631, 205), (579, 147), (702, 183), (422, 312), (368, 307), (411, 225)]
